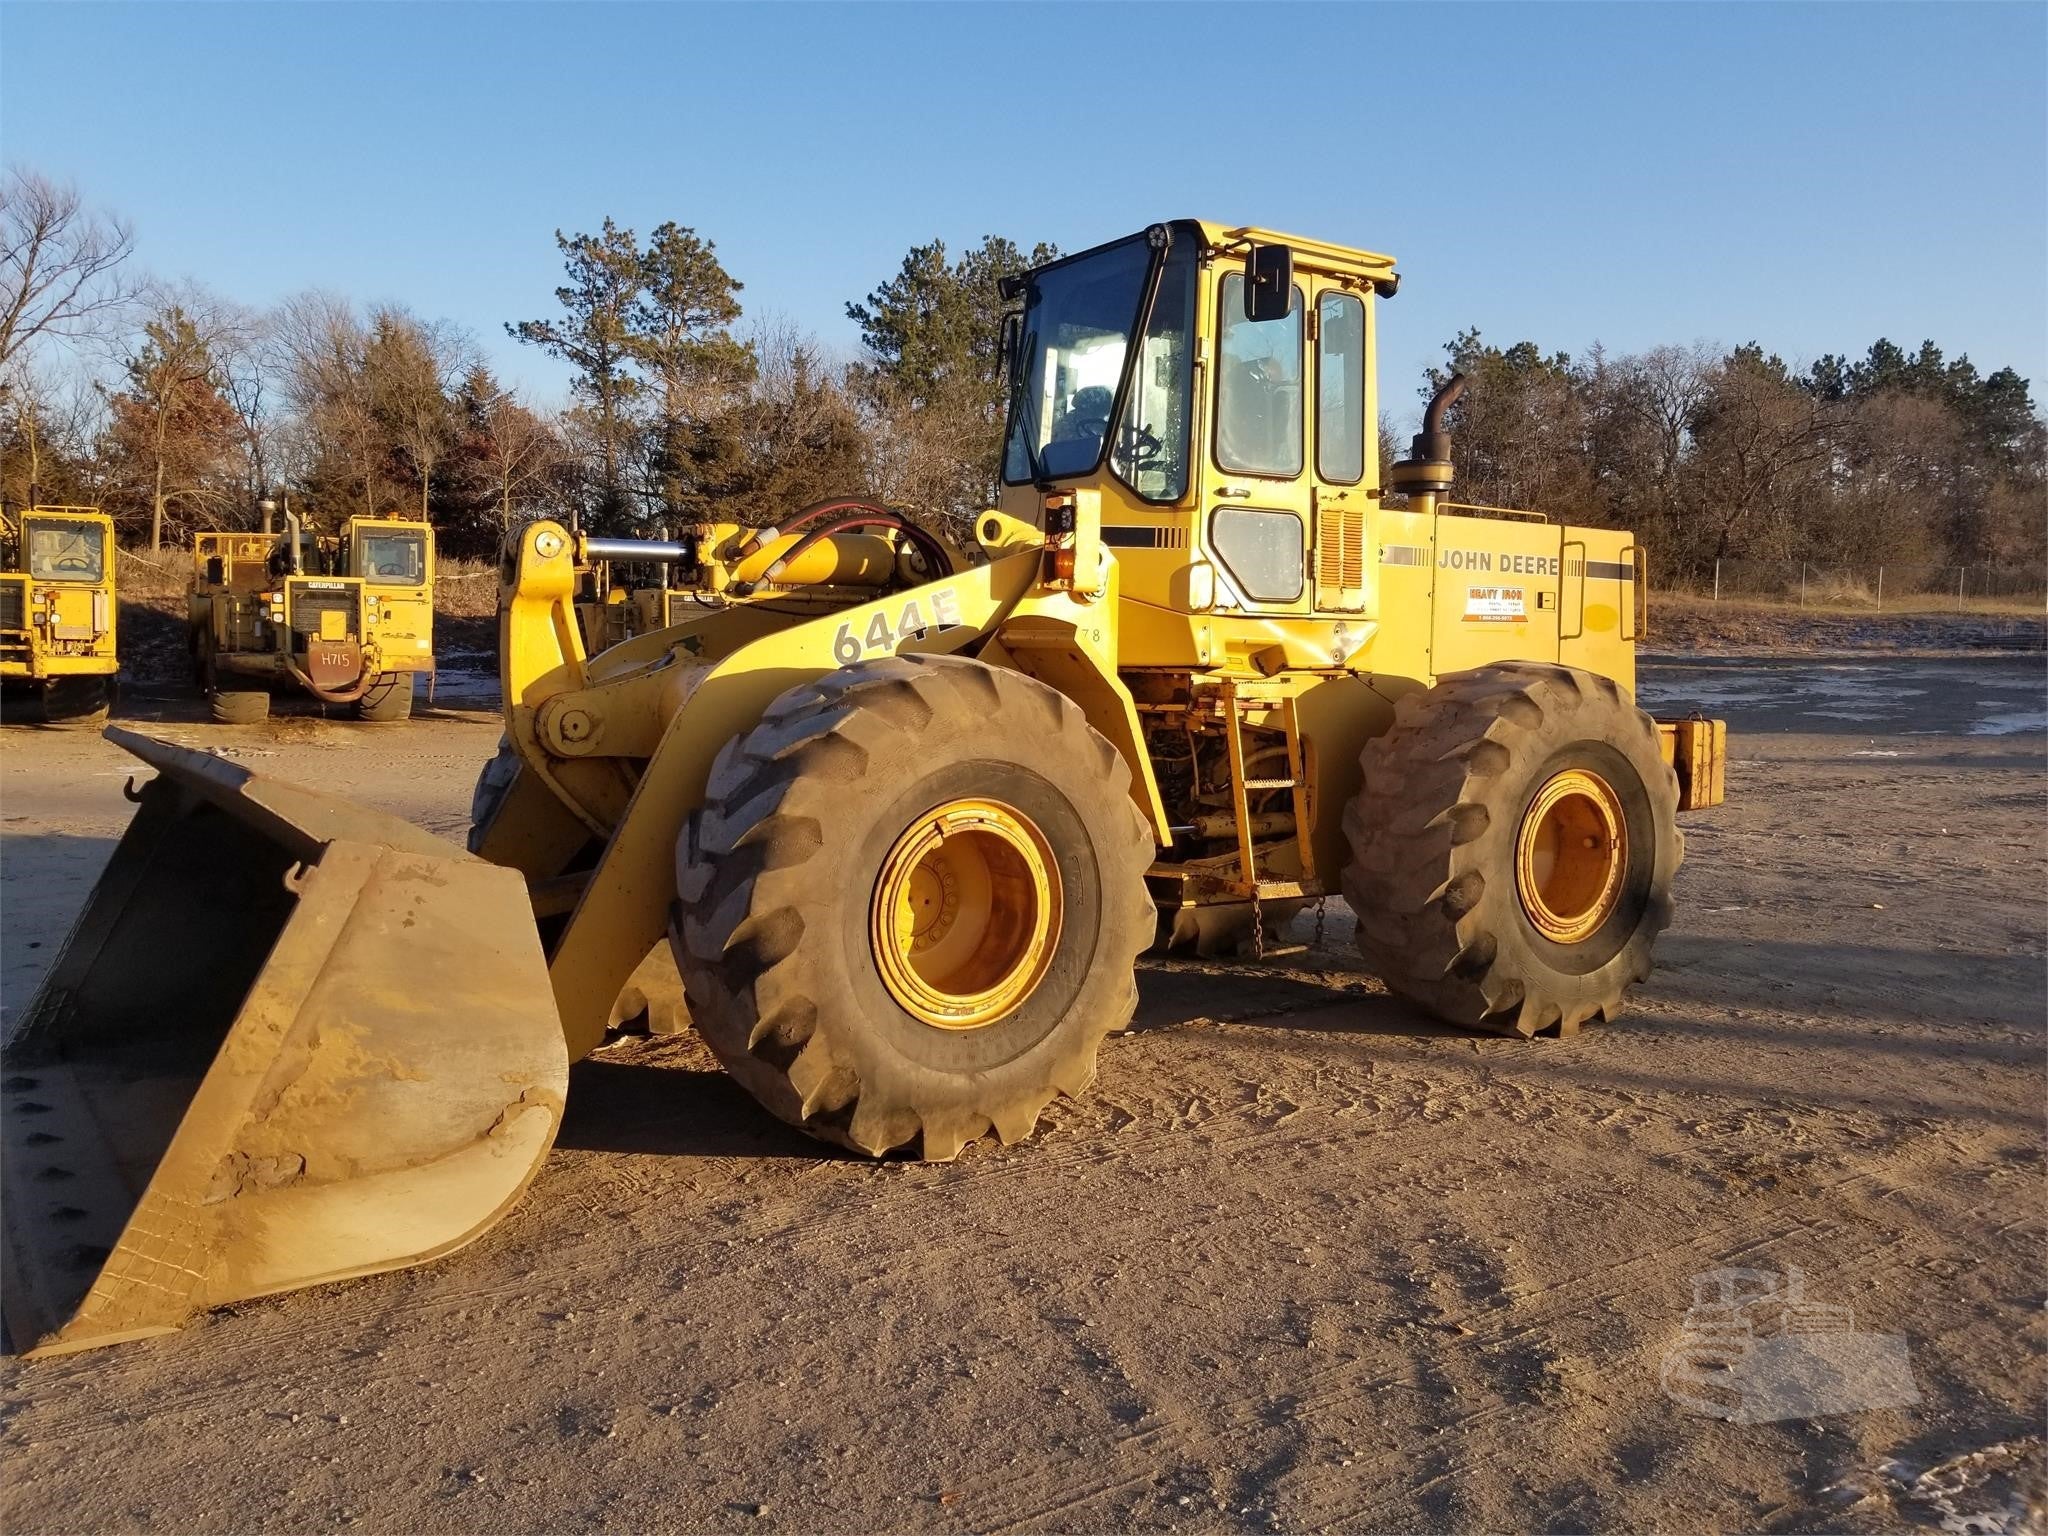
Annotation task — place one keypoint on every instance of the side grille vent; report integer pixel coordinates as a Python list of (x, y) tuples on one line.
[(1340, 556)]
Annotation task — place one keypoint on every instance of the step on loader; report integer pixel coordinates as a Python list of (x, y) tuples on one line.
[(890, 845)]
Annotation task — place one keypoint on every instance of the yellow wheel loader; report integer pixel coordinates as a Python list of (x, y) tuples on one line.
[(349, 620), (902, 842), (58, 611)]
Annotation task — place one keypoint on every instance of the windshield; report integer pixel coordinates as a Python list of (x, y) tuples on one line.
[(66, 551), (1151, 454), (1078, 319), (394, 559)]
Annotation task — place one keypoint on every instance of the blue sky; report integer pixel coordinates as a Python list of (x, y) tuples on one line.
[(1808, 176)]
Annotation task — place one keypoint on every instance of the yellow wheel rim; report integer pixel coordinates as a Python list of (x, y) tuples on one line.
[(966, 914), (1570, 855)]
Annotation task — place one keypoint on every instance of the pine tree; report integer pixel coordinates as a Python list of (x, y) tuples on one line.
[(933, 375), (606, 274), (679, 336)]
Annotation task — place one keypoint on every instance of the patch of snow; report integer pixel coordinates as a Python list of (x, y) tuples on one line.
[(2011, 725)]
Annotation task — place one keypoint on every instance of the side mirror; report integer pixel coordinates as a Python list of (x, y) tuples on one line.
[(1268, 283)]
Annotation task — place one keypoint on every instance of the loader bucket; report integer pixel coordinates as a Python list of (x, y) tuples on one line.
[(288, 1041)]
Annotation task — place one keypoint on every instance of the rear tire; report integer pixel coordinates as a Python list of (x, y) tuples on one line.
[(1513, 848), (389, 699), (815, 962)]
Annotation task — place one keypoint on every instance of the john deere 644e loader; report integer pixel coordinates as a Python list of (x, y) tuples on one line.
[(903, 829)]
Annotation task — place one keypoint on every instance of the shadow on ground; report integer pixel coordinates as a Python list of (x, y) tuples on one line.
[(653, 1096)]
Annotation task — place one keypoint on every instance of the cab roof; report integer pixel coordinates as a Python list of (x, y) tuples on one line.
[(1319, 254), (1234, 239)]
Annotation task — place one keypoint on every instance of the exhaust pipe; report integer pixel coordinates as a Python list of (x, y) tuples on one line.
[(1426, 472)]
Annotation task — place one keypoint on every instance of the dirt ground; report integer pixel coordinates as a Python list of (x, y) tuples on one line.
[(1688, 624), (1301, 1261)]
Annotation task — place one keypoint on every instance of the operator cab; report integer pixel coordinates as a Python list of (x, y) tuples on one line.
[(63, 549), (1214, 387), (386, 556)]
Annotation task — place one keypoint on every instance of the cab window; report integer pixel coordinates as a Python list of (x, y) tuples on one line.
[(1258, 388), (1340, 388), (394, 559), (1151, 454), (66, 551), (1261, 550)]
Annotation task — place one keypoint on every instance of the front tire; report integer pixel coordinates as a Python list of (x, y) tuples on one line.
[(236, 706), (493, 784), (388, 701), (77, 703), (228, 706), (1513, 848), (911, 904)]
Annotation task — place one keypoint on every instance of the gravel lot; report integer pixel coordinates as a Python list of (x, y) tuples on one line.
[(1302, 1261)]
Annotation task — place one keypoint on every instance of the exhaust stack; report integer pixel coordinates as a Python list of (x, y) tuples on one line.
[(1425, 475)]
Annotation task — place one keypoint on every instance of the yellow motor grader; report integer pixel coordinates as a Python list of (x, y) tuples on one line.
[(901, 836), (349, 620), (58, 612)]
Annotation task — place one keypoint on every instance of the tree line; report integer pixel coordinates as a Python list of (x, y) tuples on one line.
[(681, 409), (1895, 458), (678, 410)]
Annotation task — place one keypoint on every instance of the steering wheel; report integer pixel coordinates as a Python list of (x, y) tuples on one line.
[(1142, 446), (74, 563)]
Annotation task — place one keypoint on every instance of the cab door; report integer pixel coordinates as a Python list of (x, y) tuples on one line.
[(1260, 501), (1345, 431)]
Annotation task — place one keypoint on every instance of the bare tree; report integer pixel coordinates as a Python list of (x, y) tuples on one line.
[(51, 425), (173, 425), (522, 452), (1763, 447), (250, 363), (59, 263), (322, 345), (508, 455)]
